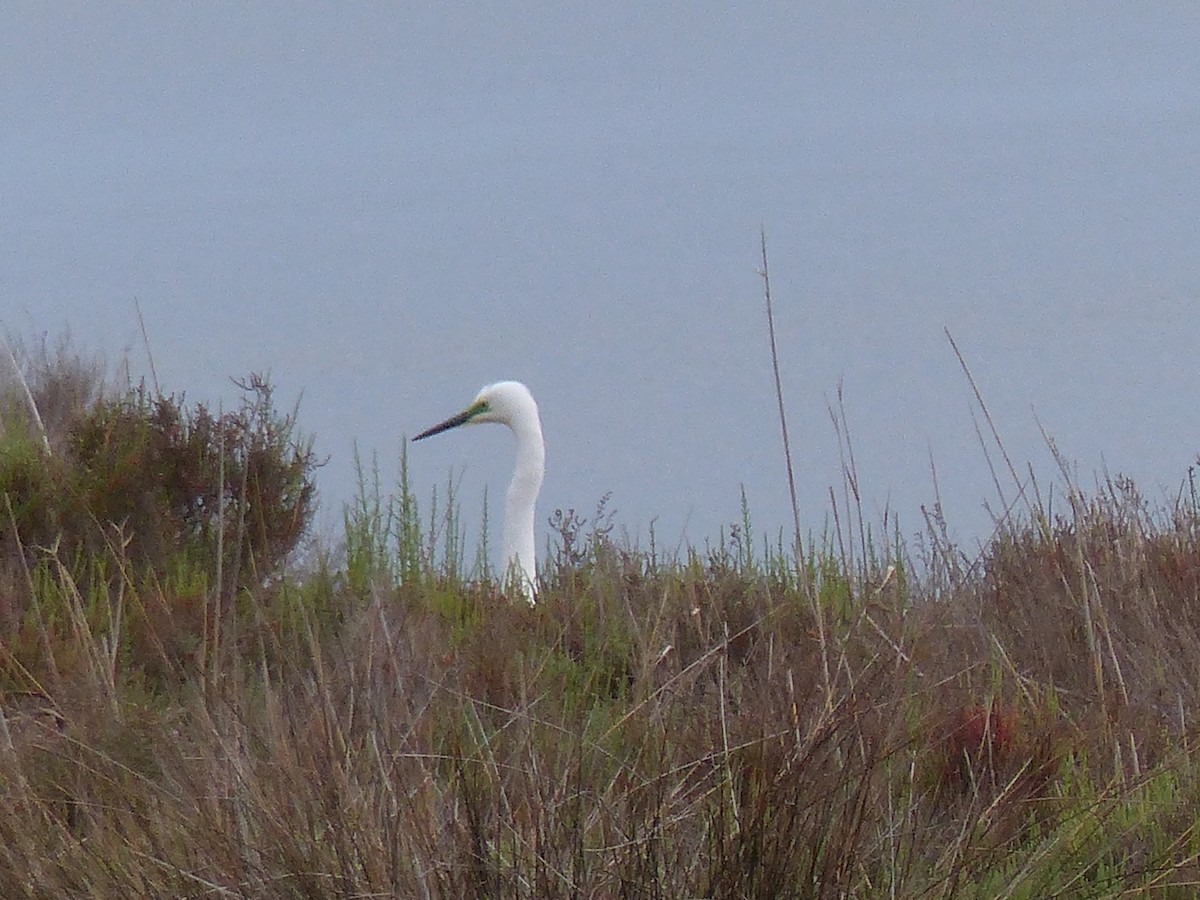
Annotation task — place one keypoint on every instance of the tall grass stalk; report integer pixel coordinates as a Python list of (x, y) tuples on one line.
[(765, 272), (27, 394), (408, 526)]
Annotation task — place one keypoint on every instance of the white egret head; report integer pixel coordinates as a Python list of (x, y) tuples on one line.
[(510, 403)]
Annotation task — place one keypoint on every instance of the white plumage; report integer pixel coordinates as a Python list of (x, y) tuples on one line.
[(510, 403)]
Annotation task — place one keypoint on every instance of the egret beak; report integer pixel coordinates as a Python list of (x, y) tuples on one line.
[(454, 421)]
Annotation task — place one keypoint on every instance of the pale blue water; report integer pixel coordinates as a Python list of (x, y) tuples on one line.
[(387, 210)]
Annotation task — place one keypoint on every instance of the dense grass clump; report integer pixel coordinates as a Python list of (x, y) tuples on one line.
[(136, 517), (156, 475), (833, 721)]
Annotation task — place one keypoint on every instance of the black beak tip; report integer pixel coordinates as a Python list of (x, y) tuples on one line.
[(452, 422)]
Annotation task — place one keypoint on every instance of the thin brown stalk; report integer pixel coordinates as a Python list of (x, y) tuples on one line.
[(787, 454), (987, 415), (787, 447), (146, 343), (29, 401)]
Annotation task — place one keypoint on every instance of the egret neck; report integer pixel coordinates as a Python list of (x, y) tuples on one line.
[(510, 403)]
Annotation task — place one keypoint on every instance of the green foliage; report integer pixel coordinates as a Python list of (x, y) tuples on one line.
[(388, 545), (137, 521), (369, 525), (146, 479), (28, 484)]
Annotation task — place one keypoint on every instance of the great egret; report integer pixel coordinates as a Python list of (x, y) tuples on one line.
[(510, 403)]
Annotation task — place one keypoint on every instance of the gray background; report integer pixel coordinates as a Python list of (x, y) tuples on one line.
[(385, 206)]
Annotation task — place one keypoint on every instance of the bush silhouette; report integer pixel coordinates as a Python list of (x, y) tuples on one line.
[(147, 480)]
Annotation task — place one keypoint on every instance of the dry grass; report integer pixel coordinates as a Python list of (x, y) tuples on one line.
[(849, 723), (643, 732)]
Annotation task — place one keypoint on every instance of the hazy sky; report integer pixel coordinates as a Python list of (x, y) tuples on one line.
[(386, 207)]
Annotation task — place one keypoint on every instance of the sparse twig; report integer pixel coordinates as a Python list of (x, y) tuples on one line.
[(33, 409), (819, 613), (787, 447), (987, 415), (146, 343)]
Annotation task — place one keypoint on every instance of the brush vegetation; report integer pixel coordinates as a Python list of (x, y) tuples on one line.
[(193, 705)]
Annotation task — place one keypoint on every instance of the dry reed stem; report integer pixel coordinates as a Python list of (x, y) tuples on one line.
[(28, 395), (787, 453)]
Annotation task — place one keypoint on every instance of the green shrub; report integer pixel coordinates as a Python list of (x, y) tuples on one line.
[(140, 490), (154, 478)]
